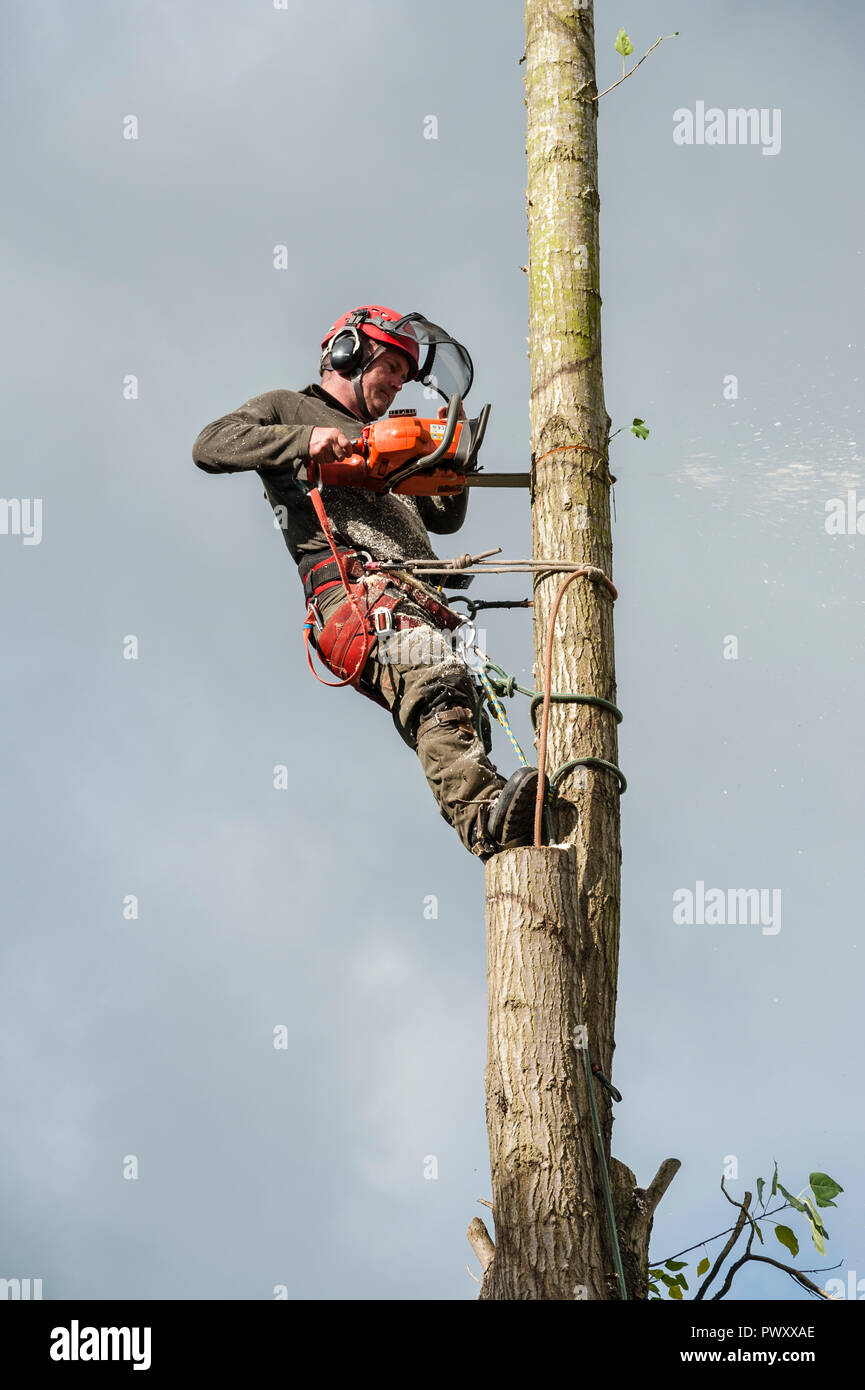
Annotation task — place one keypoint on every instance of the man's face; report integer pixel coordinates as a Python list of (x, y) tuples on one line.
[(384, 379)]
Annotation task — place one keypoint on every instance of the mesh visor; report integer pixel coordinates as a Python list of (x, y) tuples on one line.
[(444, 363)]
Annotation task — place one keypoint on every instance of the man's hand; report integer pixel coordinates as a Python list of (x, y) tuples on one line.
[(443, 413), (329, 445)]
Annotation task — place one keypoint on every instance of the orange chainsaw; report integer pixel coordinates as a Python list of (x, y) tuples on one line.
[(408, 454)]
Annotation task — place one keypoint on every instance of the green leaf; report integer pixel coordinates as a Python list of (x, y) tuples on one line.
[(667, 1279), (824, 1189), (794, 1201), (775, 1180), (675, 1291), (702, 1267), (639, 429), (818, 1230), (680, 1279), (759, 1232), (760, 1186), (676, 1264), (787, 1237), (623, 44)]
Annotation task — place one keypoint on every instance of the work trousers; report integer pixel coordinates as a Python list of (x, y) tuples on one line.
[(433, 702)]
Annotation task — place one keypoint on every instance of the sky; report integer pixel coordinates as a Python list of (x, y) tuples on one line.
[(158, 1144)]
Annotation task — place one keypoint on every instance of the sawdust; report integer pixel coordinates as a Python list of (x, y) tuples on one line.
[(387, 525)]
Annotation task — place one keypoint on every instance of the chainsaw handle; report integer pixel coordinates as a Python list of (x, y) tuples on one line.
[(451, 421)]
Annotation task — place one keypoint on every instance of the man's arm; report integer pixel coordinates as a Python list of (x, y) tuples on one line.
[(251, 437)]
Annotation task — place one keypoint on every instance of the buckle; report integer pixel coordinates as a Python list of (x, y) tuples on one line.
[(382, 620), (312, 607)]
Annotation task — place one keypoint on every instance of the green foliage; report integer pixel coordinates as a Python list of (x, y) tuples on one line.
[(786, 1237), (623, 44), (638, 428), (794, 1201), (822, 1189), (674, 1281), (818, 1231)]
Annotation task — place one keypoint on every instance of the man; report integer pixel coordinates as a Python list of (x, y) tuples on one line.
[(367, 356)]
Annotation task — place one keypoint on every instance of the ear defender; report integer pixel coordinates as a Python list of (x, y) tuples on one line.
[(346, 351)]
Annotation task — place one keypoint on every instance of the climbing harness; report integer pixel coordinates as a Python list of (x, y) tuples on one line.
[(346, 640)]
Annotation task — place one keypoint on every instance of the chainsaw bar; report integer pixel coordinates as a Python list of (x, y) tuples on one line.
[(498, 479)]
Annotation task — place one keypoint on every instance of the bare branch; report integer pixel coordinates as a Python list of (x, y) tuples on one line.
[(636, 65), (481, 1242), (732, 1200), (660, 1182), (765, 1217), (788, 1269), (738, 1265), (737, 1231)]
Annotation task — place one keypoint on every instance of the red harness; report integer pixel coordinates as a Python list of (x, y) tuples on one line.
[(345, 641)]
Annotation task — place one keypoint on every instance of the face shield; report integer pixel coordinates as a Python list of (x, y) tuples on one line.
[(444, 364)]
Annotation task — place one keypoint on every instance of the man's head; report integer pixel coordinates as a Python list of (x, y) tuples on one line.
[(364, 364)]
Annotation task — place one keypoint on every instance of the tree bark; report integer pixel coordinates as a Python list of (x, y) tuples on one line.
[(553, 912), (551, 1241)]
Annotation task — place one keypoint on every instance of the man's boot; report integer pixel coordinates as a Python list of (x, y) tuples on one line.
[(509, 821)]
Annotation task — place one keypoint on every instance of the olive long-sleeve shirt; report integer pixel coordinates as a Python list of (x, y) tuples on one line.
[(270, 435)]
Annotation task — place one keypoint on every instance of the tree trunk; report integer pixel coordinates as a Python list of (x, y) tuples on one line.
[(553, 913), (551, 1241)]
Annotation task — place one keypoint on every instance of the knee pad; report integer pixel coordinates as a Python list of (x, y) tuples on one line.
[(457, 703), (458, 690)]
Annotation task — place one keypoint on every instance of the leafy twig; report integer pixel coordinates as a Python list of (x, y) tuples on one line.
[(709, 1239), (636, 65)]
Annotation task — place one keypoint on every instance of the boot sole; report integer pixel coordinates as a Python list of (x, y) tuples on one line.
[(513, 825)]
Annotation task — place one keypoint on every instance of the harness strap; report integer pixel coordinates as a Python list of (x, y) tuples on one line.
[(381, 591), (315, 498), (327, 572)]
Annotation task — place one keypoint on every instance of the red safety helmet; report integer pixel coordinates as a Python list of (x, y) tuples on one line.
[(342, 347)]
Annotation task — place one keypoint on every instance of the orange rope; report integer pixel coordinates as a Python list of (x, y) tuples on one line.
[(318, 505), (561, 448)]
